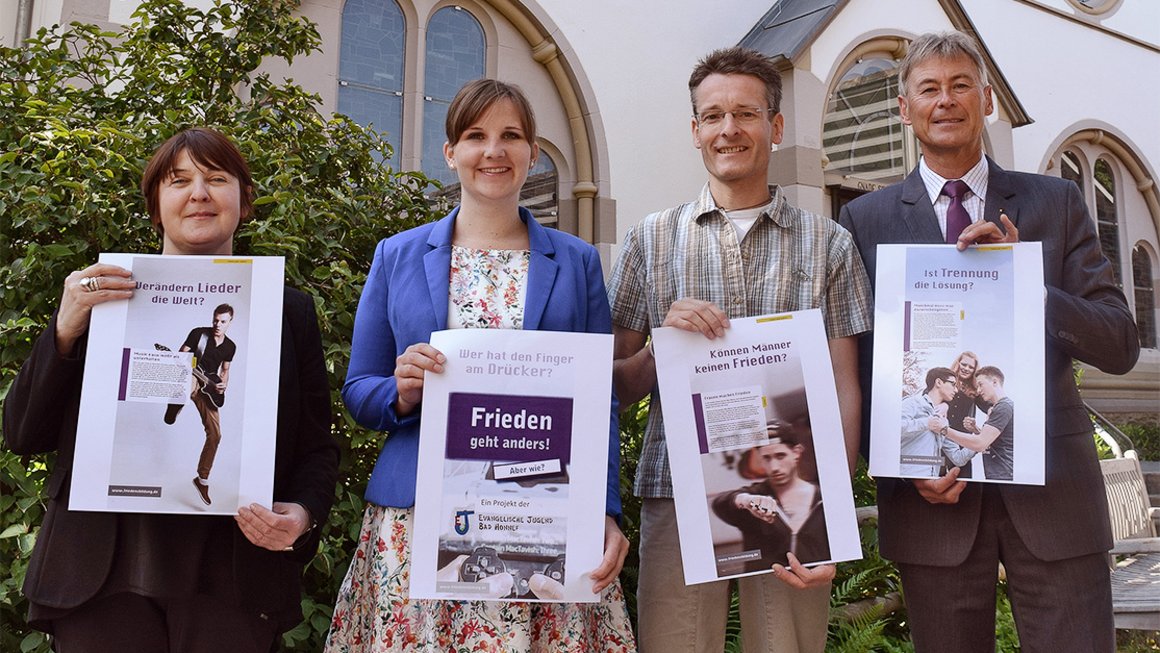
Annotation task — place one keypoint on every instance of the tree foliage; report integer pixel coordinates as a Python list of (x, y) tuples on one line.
[(81, 110)]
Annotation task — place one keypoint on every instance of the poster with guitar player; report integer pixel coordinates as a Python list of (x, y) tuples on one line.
[(179, 400)]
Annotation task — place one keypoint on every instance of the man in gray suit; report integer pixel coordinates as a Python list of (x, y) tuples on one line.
[(948, 536)]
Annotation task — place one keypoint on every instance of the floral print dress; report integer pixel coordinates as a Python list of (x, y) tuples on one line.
[(373, 613)]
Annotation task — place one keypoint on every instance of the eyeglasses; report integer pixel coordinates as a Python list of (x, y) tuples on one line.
[(741, 116)]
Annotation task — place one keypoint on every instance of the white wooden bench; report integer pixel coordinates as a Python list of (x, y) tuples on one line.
[(1136, 552)]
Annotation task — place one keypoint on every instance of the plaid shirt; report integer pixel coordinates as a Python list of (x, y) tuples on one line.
[(790, 260)]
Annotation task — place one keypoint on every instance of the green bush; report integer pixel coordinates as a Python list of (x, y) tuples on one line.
[(632, 423), (81, 110), (1145, 438)]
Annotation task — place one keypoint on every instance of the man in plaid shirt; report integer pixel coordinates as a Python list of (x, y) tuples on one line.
[(738, 250)]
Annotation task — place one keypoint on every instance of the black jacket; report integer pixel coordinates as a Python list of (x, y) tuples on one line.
[(75, 551)]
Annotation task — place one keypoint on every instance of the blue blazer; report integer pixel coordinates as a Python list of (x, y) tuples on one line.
[(405, 300), (1087, 319)]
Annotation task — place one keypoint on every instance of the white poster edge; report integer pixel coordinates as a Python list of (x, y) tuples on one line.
[(592, 388), (96, 423), (1028, 340), (675, 345)]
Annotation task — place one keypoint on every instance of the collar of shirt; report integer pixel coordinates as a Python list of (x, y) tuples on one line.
[(976, 180), (706, 206)]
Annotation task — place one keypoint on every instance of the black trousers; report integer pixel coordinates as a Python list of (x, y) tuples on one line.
[(1060, 606), (131, 622)]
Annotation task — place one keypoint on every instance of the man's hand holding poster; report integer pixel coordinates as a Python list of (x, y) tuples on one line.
[(513, 460), (177, 415), (958, 344), (755, 437)]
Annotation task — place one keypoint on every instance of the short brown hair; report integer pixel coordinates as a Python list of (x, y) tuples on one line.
[(992, 372), (739, 61), (936, 373), (943, 45), (475, 98), (208, 148), (749, 467)]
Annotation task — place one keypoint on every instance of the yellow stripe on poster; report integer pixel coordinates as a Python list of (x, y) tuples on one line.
[(774, 318)]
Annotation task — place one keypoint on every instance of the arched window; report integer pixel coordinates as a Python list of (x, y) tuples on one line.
[(1069, 168), (539, 192), (454, 56), (370, 68), (1106, 217), (378, 87), (862, 132), (1145, 295)]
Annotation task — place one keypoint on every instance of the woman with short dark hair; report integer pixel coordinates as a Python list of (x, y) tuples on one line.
[(105, 582)]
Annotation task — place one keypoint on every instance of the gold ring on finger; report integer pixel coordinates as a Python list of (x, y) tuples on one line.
[(95, 283), (87, 284)]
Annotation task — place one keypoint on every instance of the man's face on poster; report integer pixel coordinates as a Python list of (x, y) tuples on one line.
[(946, 388), (221, 324), (779, 462), (987, 388)]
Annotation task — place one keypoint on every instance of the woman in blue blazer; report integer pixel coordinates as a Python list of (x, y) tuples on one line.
[(488, 264)]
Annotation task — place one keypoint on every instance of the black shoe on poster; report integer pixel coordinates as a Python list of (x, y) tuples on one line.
[(171, 412), (202, 490)]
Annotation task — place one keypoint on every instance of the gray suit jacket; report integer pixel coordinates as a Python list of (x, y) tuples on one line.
[(1087, 320)]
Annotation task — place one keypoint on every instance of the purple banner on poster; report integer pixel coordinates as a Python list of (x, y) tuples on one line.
[(906, 326), (508, 428), (699, 419), (124, 374)]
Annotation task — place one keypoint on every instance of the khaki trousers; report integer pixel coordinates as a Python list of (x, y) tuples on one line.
[(674, 617)]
